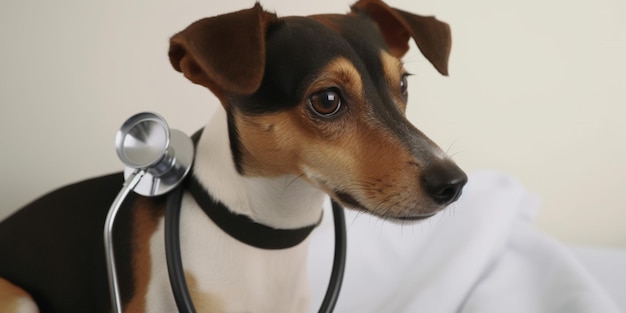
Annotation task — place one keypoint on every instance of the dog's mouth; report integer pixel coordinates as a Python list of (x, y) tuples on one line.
[(352, 202), (415, 218)]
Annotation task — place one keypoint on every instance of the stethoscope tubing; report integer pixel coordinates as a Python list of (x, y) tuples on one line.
[(173, 258), (339, 260), (176, 274), (178, 283), (114, 290)]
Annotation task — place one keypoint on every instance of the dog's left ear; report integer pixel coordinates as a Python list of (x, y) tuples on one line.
[(225, 53), (432, 36)]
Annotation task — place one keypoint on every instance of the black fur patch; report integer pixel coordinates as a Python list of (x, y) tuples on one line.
[(235, 143), (54, 249), (292, 63)]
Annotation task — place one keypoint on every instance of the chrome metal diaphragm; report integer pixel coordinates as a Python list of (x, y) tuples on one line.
[(145, 143)]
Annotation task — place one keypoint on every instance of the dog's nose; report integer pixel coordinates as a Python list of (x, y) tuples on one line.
[(444, 181)]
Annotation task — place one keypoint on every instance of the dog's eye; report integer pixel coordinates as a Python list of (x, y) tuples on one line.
[(326, 102), (404, 85)]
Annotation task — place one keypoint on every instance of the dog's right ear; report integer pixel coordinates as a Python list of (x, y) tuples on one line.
[(397, 27), (225, 53)]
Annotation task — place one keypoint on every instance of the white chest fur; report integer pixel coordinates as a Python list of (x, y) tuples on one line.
[(226, 274)]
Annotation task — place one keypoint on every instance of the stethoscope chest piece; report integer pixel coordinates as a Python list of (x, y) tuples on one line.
[(145, 143)]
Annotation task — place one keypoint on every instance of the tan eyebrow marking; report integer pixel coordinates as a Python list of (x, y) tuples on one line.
[(339, 72), (394, 69)]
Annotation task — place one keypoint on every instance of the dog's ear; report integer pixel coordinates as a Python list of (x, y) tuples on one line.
[(225, 53), (432, 36)]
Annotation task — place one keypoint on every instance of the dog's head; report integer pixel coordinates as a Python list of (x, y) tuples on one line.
[(324, 97)]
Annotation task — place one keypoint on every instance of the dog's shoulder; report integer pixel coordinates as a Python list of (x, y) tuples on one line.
[(89, 197), (53, 246)]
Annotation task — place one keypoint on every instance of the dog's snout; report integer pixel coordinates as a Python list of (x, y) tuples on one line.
[(444, 182)]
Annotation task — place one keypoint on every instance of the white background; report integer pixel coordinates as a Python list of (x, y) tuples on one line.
[(537, 90)]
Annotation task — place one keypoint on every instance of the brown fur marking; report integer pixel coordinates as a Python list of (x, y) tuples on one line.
[(274, 143), (394, 70), (203, 301), (146, 220), (224, 64), (10, 296), (377, 168), (380, 171), (374, 161)]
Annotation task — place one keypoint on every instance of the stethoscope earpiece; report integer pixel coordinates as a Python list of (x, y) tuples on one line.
[(145, 143)]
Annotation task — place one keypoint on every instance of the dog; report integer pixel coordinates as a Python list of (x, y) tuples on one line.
[(312, 107)]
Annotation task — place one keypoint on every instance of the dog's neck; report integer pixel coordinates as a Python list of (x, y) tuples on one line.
[(283, 202)]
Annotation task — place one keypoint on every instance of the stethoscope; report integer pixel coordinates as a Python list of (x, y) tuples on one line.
[(157, 161)]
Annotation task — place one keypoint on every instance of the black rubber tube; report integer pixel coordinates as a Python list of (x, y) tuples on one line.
[(183, 300), (339, 261), (172, 252)]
